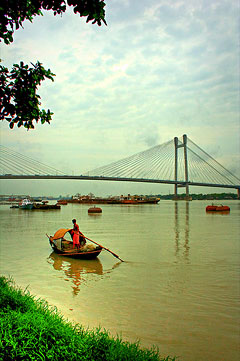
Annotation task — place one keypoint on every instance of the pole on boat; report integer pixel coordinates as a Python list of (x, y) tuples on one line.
[(114, 254)]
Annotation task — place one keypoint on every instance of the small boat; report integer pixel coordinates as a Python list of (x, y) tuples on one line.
[(62, 202), (44, 205), (91, 199), (134, 200), (214, 208), (94, 210), (26, 204), (64, 247)]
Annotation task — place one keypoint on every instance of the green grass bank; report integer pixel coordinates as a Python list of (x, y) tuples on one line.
[(30, 329)]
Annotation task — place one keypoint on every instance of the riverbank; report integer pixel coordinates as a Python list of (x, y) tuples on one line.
[(30, 329)]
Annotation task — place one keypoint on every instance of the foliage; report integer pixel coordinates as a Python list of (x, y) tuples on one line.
[(210, 196), (32, 330), (20, 85), (19, 103), (14, 12)]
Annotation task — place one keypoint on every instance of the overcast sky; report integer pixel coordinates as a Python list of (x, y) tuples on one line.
[(160, 69)]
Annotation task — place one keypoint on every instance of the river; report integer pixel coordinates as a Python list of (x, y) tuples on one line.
[(178, 288)]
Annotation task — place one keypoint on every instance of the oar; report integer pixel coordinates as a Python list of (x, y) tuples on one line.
[(114, 254)]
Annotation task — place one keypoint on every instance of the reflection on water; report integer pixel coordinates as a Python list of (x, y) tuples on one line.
[(177, 230), (76, 270), (218, 212)]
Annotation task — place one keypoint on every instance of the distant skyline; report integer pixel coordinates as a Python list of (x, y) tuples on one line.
[(159, 69)]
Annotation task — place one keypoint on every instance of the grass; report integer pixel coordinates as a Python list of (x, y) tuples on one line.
[(30, 329)]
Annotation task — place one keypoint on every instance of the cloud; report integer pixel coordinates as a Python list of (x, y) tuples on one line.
[(158, 70)]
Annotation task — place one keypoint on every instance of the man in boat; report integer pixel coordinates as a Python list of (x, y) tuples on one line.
[(77, 236)]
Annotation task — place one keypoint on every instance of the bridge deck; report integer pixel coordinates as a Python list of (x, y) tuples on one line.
[(117, 179)]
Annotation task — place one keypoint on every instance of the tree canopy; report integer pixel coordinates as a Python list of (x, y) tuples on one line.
[(19, 102), (14, 12)]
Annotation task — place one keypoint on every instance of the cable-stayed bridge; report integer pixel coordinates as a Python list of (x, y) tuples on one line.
[(181, 163)]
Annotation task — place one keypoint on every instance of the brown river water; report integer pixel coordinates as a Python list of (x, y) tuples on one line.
[(178, 288)]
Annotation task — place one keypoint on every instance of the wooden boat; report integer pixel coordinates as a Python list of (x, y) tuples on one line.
[(214, 208), (65, 248)]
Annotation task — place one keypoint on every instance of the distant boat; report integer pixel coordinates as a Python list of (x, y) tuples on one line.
[(37, 199), (215, 208), (63, 202), (26, 204), (134, 200), (115, 200), (46, 206)]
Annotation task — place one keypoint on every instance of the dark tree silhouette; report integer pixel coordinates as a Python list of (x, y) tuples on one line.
[(19, 102)]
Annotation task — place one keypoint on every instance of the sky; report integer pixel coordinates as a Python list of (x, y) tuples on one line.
[(159, 69)]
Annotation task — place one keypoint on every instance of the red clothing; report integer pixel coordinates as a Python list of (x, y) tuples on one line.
[(75, 235), (76, 227), (75, 239)]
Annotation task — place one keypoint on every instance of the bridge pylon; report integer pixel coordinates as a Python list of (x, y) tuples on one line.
[(186, 185)]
